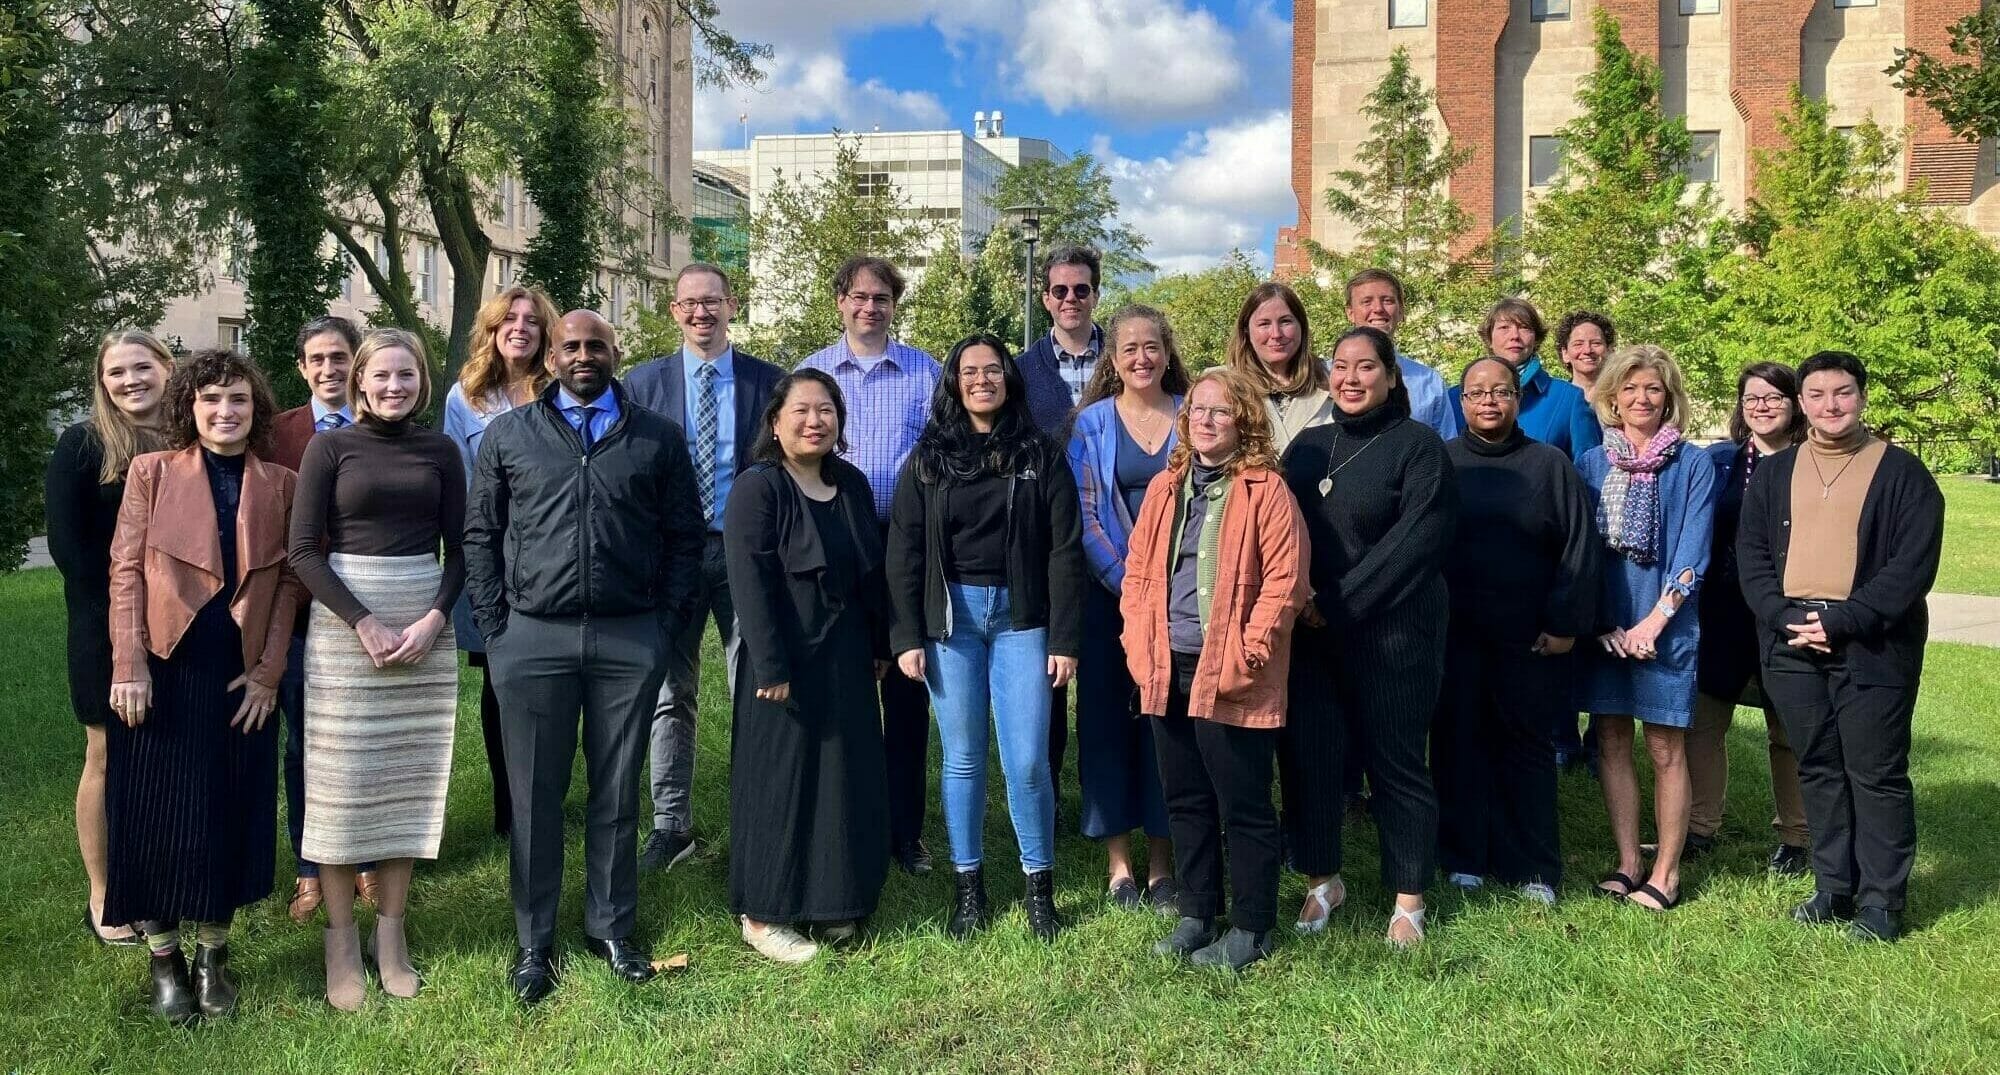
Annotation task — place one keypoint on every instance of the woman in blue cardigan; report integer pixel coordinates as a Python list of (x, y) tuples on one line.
[(1123, 432), (1653, 495)]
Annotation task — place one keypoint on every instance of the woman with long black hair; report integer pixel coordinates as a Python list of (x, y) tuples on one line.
[(986, 585)]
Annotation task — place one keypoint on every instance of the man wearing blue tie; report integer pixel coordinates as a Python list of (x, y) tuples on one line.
[(717, 394)]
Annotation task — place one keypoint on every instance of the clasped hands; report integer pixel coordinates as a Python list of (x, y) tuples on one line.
[(1809, 635), (406, 647), (1641, 641)]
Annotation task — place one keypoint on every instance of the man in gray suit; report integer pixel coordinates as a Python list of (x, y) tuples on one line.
[(717, 394)]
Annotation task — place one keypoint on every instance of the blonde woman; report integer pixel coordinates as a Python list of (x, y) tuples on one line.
[(1654, 507), (376, 501), (85, 482), (1272, 346), (507, 367)]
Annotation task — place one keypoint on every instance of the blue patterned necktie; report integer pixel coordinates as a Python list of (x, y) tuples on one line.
[(334, 420), (705, 431)]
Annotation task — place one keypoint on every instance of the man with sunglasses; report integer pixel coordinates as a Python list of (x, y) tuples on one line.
[(716, 394), (1059, 364)]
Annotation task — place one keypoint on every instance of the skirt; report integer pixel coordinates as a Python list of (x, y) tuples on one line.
[(378, 740)]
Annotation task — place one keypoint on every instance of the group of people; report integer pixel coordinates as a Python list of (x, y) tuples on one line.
[(1327, 574)]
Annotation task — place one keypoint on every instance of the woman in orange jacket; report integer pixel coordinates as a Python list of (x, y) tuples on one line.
[(1214, 577)]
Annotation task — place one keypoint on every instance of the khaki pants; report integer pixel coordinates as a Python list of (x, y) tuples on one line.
[(1708, 771)]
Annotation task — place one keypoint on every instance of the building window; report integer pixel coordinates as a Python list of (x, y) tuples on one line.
[(652, 78), (1548, 10), (503, 273), (229, 335), (1853, 3), (427, 272), (869, 184), (236, 254), (1700, 7), (346, 278), (1404, 14), (1701, 165), (1545, 153)]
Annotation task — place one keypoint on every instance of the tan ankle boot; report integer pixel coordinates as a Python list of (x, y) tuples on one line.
[(392, 958), (345, 983)]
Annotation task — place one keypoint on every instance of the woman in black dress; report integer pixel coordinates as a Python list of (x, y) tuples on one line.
[(85, 482), (808, 800), (1377, 495), (202, 605)]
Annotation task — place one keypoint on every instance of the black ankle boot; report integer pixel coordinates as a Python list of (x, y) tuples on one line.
[(1040, 905), (214, 986), (968, 911), (173, 996)]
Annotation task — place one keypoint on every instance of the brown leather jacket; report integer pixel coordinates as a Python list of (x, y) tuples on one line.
[(166, 563)]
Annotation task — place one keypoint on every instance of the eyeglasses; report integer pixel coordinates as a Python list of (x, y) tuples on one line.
[(982, 374), (1758, 403), (1490, 395), (861, 298), (1211, 414), (1062, 292), (707, 306)]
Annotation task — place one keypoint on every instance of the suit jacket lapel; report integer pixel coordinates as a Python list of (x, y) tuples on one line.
[(751, 388), (673, 389)]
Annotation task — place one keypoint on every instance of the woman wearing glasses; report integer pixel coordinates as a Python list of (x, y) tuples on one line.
[(1767, 420), (1523, 579)]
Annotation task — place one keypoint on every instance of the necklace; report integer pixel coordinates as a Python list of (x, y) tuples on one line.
[(1326, 483), (1826, 487), (1144, 429)]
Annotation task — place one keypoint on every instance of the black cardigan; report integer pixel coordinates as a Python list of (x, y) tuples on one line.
[(1045, 573), (82, 516), (777, 567), (1882, 626), (1526, 556)]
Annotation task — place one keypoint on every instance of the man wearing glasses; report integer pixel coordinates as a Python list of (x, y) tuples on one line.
[(717, 394), (1059, 364), (887, 386)]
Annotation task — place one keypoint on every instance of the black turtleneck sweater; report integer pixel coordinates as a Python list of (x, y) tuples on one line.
[(1526, 557), (378, 488), (1381, 531)]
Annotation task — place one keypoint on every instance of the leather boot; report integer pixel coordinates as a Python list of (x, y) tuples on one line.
[(1040, 905), (969, 912), (173, 994), (392, 958), (345, 985), (214, 986)]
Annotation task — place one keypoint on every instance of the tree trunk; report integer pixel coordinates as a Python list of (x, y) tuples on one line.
[(455, 209)]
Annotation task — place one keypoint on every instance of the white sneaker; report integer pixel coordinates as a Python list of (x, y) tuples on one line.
[(840, 932), (1466, 881), (779, 942), (1539, 893)]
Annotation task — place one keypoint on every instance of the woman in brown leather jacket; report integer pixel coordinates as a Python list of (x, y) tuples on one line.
[(202, 603)]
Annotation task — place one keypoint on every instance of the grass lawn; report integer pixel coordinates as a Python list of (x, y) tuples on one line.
[(1971, 536), (1725, 984)]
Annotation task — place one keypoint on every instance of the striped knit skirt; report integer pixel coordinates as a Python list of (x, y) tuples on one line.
[(378, 740)]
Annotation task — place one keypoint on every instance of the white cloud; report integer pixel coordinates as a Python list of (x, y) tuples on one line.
[(1134, 60), (813, 91), (1224, 188)]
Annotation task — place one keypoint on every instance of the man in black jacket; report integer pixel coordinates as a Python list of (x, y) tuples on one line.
[(583, 545), (1838, 545)]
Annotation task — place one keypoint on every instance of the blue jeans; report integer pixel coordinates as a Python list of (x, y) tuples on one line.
[(989, 666)]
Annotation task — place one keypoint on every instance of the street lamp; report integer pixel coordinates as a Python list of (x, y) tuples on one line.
[(1027, 219)]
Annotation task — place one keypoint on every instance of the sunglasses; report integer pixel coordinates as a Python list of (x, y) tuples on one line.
[(1062, 292)]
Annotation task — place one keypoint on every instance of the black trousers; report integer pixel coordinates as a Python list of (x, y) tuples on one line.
[(1217, 779), (906, 744), (1853, 745), (1496, 779), (496, 749), (1372, 688), (545, 671), (1058, 738)]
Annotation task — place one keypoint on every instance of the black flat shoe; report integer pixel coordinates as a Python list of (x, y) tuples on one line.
[(1125, 896), (214, 986), (1824, 908), (1190, 935), (1790, 860), (1873, 924), (173, 994), (626, 959), (532, 974), (1164, 897), (914, 858), (90, 923)]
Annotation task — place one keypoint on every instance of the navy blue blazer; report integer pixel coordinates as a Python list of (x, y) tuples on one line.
[(1050, 403), (660, 385)]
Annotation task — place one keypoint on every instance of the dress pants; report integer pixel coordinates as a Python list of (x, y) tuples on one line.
[(679, 706), (906, 747), (547, 670), (1217, 780), (1496, 779), (1853, 745), (1708, 771), (292, 699)]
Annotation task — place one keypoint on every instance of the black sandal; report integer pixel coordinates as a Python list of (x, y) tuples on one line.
[(1614, 877), (1665, 904)]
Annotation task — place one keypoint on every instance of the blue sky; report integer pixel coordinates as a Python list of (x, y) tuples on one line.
[(1186, 103)]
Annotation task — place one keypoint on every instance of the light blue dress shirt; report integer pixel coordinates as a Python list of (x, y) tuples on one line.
[(725, 420), (1429, 402), (601, 420), (321, 410)]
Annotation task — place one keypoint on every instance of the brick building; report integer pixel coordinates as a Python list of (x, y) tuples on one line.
[(1506, 73)]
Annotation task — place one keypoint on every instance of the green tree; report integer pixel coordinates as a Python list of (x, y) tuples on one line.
[(963, 294), (1396, 200), (1201, 306), (805, 228), (1078, 209), (1967, 95), (1848, 262), (572, 138), (279, 143)]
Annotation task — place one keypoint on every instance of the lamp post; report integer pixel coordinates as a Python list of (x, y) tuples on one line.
[(1027, 219)]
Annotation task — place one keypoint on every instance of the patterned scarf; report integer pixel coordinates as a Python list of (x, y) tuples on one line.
[(1628, 512)]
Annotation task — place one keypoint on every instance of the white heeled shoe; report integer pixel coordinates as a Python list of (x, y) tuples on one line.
[(1415, 919), (1330, 895)]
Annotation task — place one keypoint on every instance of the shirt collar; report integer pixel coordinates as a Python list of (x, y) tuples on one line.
[(321, 410), (1534, 378), (725, 363), (606, 404), (1094, 349), (889, 355)]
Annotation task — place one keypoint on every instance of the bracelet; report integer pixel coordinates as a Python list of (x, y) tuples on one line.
[(1665, 609)]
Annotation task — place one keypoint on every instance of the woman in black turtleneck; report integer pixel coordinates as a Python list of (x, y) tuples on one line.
[(1523, 578), (1376, 492)]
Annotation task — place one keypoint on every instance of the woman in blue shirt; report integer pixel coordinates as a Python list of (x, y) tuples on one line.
[(1121, 438), (1554, 412), (1653, 497)]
